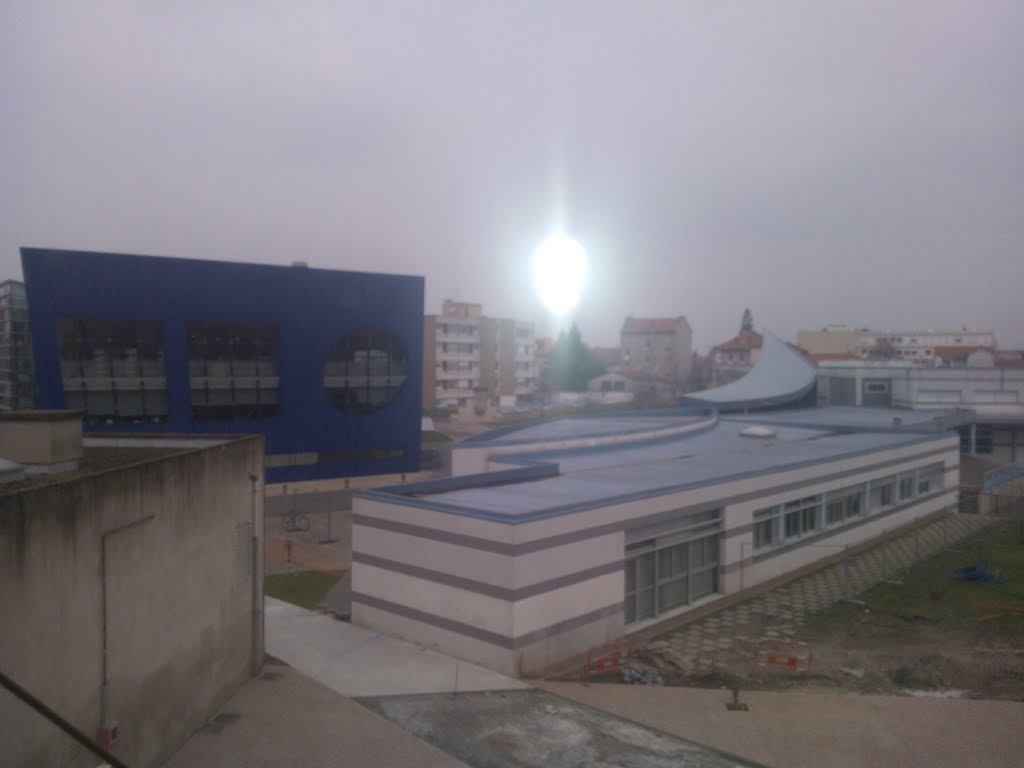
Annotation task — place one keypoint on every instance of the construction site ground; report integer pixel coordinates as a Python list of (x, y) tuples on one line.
[(864, 626)]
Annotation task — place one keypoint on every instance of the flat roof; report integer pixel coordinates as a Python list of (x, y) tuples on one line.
[(590, 477), (574, 427), (855, 417)]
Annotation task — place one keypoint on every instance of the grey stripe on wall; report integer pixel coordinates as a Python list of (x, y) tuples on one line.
[(512, 550), (482, 588), (494, 638)]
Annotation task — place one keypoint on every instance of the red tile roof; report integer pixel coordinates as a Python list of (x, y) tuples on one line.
[(652, 324), (746, 340)]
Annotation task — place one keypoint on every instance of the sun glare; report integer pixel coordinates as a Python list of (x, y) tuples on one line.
[(559, 270)]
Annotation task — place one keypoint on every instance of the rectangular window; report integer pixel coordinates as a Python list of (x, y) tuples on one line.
[(800, 517), (885, 495), (113, 369), (835, 512), (234, 371), (764, 533), (906, 487), (663, 578)]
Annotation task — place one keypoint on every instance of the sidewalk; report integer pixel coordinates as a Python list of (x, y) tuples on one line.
[(355, 661), (808, 730), (780, 612)]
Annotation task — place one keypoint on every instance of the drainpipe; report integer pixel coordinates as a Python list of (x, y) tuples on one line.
[(974, 440), (257, 596)]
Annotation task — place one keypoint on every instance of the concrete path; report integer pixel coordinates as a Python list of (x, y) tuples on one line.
[(355, 661), (782, 611), (284, 718), (794, 729)]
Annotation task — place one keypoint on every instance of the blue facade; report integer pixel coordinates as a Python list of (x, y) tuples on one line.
[(312, 316)]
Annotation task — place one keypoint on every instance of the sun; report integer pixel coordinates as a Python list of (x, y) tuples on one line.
[(559, 271)]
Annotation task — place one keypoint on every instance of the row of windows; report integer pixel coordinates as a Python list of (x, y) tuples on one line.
[(115, 370), (457, 348), (796, 519)]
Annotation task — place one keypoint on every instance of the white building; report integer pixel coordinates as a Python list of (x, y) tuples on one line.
[(565, 535), (920, 346)]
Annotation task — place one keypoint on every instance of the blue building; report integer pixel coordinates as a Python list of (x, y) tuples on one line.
[(326, 364)]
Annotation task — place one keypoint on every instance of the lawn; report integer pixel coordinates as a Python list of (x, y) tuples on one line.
[(929, 591), (432, 436), (304, 588)]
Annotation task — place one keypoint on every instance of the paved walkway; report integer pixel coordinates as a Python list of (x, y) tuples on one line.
[(796, 729), (284, 718), (355, 661), (781, 612)]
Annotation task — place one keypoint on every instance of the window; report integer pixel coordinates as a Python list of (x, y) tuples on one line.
[(885, 496), (365, 371), (233, 371), (113, 369), (835, 512), (661, 578), (906, 487), (800, 517), (765, 527)]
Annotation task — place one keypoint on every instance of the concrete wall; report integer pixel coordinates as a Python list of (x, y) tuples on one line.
[(132, 581)]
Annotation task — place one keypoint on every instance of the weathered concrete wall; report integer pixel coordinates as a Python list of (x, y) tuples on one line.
[(146, 577)]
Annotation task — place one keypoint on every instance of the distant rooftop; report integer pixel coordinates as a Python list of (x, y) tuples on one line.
[(652, 324)]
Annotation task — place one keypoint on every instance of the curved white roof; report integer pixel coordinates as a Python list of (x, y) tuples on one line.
[(780, 376)]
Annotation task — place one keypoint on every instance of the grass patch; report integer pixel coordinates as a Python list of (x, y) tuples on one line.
[(930, 592), (433, 436), (303, 588)]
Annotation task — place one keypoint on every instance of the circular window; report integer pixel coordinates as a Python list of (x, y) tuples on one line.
[(365, 370)]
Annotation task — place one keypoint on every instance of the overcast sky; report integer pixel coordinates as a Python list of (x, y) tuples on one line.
[(857, 162)]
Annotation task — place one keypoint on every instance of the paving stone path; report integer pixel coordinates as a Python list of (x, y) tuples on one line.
[(780, 612)]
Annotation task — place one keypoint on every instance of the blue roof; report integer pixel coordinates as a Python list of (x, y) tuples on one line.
[(589, 477)]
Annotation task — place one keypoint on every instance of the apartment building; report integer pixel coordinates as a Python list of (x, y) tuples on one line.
[(468, 356), (508, 368), (661, 347), (921, 346), (17, 383)]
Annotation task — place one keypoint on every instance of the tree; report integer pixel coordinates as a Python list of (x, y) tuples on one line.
[(572, 365), (747, 323)]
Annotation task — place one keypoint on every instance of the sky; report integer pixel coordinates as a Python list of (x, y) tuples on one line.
[(819, 163)]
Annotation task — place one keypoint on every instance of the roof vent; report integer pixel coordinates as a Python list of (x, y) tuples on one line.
[(757, 431), (301, 264)]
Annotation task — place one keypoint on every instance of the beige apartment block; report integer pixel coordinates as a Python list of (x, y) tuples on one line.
[(469, 358), (661, 347), (919, 346)]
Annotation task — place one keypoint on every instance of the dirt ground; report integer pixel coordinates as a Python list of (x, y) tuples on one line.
[(854, 650)]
